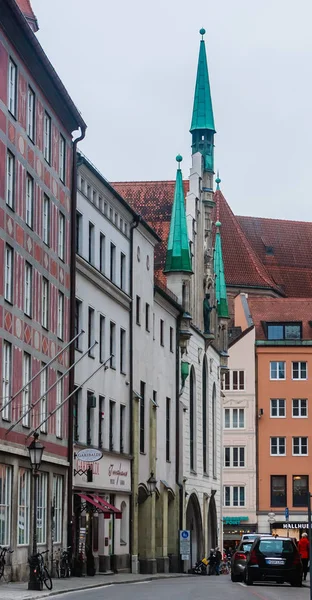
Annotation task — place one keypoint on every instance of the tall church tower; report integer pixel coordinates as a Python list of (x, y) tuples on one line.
[(199, 201)]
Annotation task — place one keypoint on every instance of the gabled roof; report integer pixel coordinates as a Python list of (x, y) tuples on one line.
[(281, 310), (178, 256), (26, 9)]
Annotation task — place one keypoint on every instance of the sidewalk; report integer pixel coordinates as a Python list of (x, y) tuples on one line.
[(19, 591)]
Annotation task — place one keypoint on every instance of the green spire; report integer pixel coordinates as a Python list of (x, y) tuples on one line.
[(221, 298), (202, 117), (178, 257)]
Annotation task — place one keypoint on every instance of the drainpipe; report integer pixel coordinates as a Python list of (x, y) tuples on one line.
[(72, 310)]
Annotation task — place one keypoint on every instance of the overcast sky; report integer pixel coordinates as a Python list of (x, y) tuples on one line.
[(130, 67)]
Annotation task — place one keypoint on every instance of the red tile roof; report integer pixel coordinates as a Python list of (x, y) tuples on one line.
[(26, 9), (281, 310)]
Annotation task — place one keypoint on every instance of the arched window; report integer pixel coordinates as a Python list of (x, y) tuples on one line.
[(124, 524), (205, 415), (214, 432), (192, 419)]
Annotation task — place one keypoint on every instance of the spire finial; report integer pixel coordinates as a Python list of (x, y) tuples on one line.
[(179, 159), (218, 180), (202, 32)]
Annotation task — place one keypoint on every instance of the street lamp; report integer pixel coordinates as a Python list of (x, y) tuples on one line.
[(35, 450), (151, 484)]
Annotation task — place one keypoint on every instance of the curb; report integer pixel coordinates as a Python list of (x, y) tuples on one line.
[(99, 585)]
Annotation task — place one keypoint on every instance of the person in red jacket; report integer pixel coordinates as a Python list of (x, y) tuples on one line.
[(304, 551)]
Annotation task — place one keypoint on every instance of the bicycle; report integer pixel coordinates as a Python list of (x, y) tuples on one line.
[(64, 569), (3, 552), (40, 570)]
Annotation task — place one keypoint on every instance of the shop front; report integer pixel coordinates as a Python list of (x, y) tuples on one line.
[(293, 529), (234, 528), (102, 488)]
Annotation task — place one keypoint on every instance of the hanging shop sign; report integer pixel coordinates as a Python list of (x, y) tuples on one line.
[(108, 472), (89, 455)]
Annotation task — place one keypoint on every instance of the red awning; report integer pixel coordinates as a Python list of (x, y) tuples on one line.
[(94, 500), (108, 506)]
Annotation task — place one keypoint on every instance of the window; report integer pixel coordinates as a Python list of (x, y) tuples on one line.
[(78, 233), (59, 400), (61, 236), (277, 370), (205, 411), (5, 504), (78, 320), (29, 200), (12, 101), (28, 289), (26, 389), (234, 418), (171, 339), (44, 399), (300, 446), (138, 310), (192, 419), (147, 316), (8, 275), (168, 403), (161, 332), (31, 114), (102, 338), (214, 431), (112, 345), (234, 495), (122, 351), (101, 420), (91, 332), (299, 408), (62, 158), (10, 177), (90, 418), (60, 315), (278, 446), (77, 396), (46, 220), (42, 496), (58, 510), (45, 303), (89, 191), (91, 244), (234, 380), (299, 370), (6, 379), (112, 269), (284, 331), (112, 407), (23, 519), (102, 253), (142, 416), (300, 490), (278, 408), (278, 491), (122, 427), (123, 524), (47, 138), (234, 456), (122, 271)]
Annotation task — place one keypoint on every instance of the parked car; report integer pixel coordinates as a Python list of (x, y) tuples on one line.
[(273, 559), (252, 536), (238, 560)]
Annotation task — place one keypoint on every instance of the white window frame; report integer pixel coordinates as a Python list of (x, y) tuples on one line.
[(102, 336), (8, 274), (44, 384), (59, 412), (122, 351), (62, 158), (12, 88), (231, 488), (6, 504), (299, 363), (112, 344), (231, 413), (31, 104), (28, 290), (232, 451), (6, 379), (10, 179), (60, 315), (47, 138), (277, 362), (61, 236), (46, 220), (27, 388), (278, 445), (29, 201), (42, 505), (102, 253), (58, 508), (300, 401), (300, 453), (23, 514), (281, 405), (45, 303), (228, 382)]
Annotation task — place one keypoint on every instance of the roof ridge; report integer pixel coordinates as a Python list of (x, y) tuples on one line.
[(274, 219)]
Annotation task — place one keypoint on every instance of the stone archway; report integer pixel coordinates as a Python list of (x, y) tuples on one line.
[(212, 524), (195, 526)]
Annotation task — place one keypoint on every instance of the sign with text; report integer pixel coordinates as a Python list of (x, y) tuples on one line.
[(109, 472), (185, 544)]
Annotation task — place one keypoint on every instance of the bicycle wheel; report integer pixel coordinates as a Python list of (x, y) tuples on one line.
[(47, 579), (1, 569)]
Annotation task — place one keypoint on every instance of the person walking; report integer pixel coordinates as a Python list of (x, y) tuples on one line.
[(304, 551), (218, 561), (212, 562)]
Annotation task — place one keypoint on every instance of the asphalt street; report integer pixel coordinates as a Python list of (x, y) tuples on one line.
[(194, 588)]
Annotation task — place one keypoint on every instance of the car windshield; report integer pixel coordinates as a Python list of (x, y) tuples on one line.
[(276, 547), (245, 547)]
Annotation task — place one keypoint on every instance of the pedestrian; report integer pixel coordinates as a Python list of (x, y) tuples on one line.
[(218, 560), (304, 551), (212, 562)]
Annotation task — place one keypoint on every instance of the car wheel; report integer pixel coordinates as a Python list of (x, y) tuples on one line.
[(235, 578), (247, 578)]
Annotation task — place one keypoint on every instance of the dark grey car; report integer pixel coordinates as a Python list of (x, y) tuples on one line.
[(238, 561)]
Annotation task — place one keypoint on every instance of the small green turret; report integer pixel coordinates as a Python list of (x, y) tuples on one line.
[(178, 257)]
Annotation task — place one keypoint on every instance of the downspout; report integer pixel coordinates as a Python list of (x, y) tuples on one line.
[(72, 310)]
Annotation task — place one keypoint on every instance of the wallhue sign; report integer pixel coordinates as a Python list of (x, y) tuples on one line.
[(109, 472), (89, 455)]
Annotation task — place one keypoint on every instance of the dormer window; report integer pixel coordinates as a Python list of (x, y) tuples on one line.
[(269, 250), (284, 331)]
